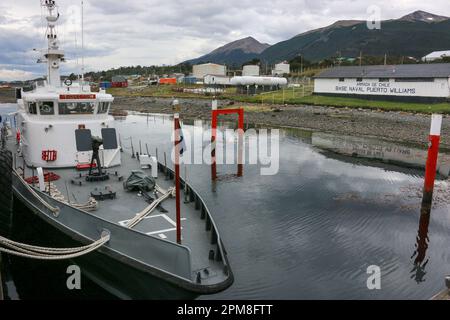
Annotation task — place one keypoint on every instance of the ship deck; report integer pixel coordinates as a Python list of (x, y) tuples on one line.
[(160, 223)]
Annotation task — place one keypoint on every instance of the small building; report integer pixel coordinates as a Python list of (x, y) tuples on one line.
[(281, 69), (105, 84), (119, 82), (177, 75), (169, 81), (406, 82), (216, 80), (250, 70), (201, 70), (188, 80), (436, 55)]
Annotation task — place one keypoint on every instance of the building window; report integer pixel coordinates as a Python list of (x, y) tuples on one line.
[(76, 108), (341, 79), (103, 107), (414, 80), (383, 80), (46, 108), (359, 79), (32, 109)]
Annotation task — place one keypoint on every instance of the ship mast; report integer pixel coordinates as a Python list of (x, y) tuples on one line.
[(53, 55)]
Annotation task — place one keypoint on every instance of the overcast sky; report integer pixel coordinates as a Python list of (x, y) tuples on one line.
[(149, 32)]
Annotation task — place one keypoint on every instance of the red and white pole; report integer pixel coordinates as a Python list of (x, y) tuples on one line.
[(213, 140), (240, 143), (177, 127), (431, 164)]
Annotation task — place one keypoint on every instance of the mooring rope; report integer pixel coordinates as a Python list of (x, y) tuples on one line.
[(53, 191), (91, 205), (45, 253), (144, 213), (54, 210)]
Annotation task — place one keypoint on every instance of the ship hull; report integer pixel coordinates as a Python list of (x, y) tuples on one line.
[(113, 278), (116, 272)]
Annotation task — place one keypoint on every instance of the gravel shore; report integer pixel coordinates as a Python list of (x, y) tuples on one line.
[(393, 126)]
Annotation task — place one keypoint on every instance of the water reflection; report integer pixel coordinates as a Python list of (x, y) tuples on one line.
[(419, 255), (389, 152)]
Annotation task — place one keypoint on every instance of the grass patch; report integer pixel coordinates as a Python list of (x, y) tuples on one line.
[(382, 105), (297, 96)]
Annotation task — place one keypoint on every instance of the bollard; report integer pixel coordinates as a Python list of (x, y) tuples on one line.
[(41, 180), (154, 166)]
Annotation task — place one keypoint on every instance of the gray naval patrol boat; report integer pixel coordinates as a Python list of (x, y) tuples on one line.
[(115, 212)]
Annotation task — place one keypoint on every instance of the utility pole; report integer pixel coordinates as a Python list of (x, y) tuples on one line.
[(360, 58), (385, 58)]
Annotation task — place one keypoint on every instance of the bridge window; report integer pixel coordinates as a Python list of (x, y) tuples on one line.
[(76, 108), (46, 108), (32, 108), (103, 107)]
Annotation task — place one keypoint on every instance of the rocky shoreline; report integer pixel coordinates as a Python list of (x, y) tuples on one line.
[(393, 126)]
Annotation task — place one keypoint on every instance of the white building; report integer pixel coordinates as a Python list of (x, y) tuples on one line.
[(281, 68), (250, 70), (212, 79), (436, 55), (201, 70), (413, 82)]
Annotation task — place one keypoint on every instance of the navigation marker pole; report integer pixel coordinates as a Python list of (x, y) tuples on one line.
[(433, 151), (177, 128)]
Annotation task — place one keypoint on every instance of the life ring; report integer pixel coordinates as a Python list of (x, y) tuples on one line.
[(46, 108)]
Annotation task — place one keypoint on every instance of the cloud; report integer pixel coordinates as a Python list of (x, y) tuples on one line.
[(149, 32), (10, 75)]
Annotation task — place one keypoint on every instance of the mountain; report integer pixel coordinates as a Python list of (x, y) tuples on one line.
[(423, 16), (236, 52), (415, 34)]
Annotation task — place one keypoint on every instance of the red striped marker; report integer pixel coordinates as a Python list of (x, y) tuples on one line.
[(177, 127), (433, 151)]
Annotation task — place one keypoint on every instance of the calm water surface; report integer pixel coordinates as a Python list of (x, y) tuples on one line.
[(308, 232)]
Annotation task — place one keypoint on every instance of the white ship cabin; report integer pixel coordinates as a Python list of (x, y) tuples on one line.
[(48, 118), (50, 115)]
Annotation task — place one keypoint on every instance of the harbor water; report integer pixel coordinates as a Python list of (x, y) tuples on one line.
[(308, 232)]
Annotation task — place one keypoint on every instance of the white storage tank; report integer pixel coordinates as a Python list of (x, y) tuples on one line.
[(281, 68), (201, 70), (250, 70), (258, 81)]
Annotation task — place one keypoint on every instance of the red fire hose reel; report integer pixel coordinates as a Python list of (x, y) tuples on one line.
[(49, 155)]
